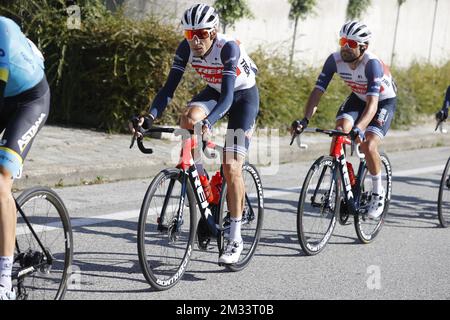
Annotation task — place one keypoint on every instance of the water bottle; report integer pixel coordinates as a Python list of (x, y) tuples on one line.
[(216, 187), (206, 188), (351, 174)]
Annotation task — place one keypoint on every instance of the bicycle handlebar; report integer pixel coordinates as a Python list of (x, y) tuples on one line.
[(177, 132), (329, 132)]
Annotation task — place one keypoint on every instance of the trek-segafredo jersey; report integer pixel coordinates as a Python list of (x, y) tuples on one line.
[(226, 68), (21, 63), (371, 78), (212, 67)]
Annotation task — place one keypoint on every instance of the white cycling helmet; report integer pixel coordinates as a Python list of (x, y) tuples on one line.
[(355, 30), (200, 16)]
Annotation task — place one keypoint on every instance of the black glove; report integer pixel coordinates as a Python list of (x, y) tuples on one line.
[(147, 124), (299, 125), (442, 115), (355, 133)]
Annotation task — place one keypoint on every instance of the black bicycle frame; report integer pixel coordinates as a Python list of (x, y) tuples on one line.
[(22, 273)]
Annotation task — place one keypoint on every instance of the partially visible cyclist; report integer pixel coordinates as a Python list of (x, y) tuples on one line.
[(24, 107), (231, 89), (442, 114), (367, 113)]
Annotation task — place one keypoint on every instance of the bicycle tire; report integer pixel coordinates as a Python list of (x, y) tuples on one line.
[(61, 251), (374, 225), (305, 218), (170, 240), (443, 204), (253, 216)]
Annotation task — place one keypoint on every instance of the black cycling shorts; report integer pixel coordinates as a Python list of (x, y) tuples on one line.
[(21, 118), (353, 108), (241, 116)]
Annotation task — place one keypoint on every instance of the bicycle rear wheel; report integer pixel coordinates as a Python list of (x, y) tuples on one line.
[(43, 273), (444, 197), (317, 207), (166, 237), (252, 216), (367, 229)]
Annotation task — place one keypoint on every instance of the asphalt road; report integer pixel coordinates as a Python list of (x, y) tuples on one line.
[(410, 258)]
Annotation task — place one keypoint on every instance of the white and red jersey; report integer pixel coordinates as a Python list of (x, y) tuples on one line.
[(212, 66), (371, 77)]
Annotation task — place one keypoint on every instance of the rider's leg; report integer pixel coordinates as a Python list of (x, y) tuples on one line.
[(241, 123), (232, 169), (7, 228), (370, 149), (344, 125), (347, 115), (198, 109), (193, 114), (25, 116)]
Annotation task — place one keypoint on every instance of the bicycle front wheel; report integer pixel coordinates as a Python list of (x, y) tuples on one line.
[(252, 216), (43, 259), (165, 231), (367, 229), (444, 197), (319, 201)]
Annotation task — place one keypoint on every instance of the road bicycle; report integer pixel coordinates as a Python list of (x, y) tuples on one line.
[(168, 216), (321, 202), (44, 246)]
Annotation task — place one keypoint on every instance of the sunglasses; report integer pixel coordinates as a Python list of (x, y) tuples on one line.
[(351, 43), (201, 33)]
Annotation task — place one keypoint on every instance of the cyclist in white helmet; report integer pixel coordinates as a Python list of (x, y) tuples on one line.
[(231, 89), (367, 113)]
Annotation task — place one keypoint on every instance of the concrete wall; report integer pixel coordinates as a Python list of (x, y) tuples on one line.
[(318, 34)]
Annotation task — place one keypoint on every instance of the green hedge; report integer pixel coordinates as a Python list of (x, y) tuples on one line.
[(113, 67)]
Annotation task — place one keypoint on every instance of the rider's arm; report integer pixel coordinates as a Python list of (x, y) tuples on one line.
[(230, 57), (374, 75), (446, 103), (328, 70), (164, 95), (4, 60)]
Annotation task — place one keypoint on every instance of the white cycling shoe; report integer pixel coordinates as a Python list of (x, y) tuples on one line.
[(375, 207), (232, 252), (6, 294)]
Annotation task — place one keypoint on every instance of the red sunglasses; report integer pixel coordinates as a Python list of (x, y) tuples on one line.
[(201, 33), (351, 43)]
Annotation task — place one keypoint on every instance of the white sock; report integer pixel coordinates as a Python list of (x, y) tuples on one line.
[(235, 229), (377, 185), (5, 272)]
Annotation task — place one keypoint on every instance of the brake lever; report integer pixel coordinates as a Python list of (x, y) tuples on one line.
[(293, 138), (133, 140), (439, 123)]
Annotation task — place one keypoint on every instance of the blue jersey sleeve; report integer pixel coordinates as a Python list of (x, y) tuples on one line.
[(328, 70), (4, 52), (164, 95), (447, 99), (374, 75), (229, 55)]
